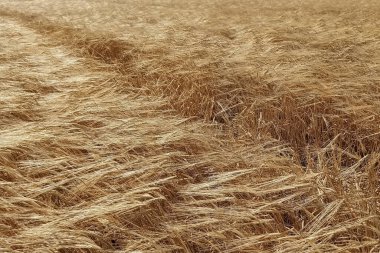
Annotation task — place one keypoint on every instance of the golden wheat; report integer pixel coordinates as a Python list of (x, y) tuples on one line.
[(189, 126)]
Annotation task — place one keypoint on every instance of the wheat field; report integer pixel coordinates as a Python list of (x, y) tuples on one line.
[(189, 126)]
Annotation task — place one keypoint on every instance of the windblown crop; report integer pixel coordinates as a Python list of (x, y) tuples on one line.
[(189, 126)]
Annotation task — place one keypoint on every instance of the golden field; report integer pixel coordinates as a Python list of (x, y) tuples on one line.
[(189, 126)]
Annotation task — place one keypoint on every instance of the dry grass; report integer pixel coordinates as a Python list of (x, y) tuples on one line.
[(189, 126)]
